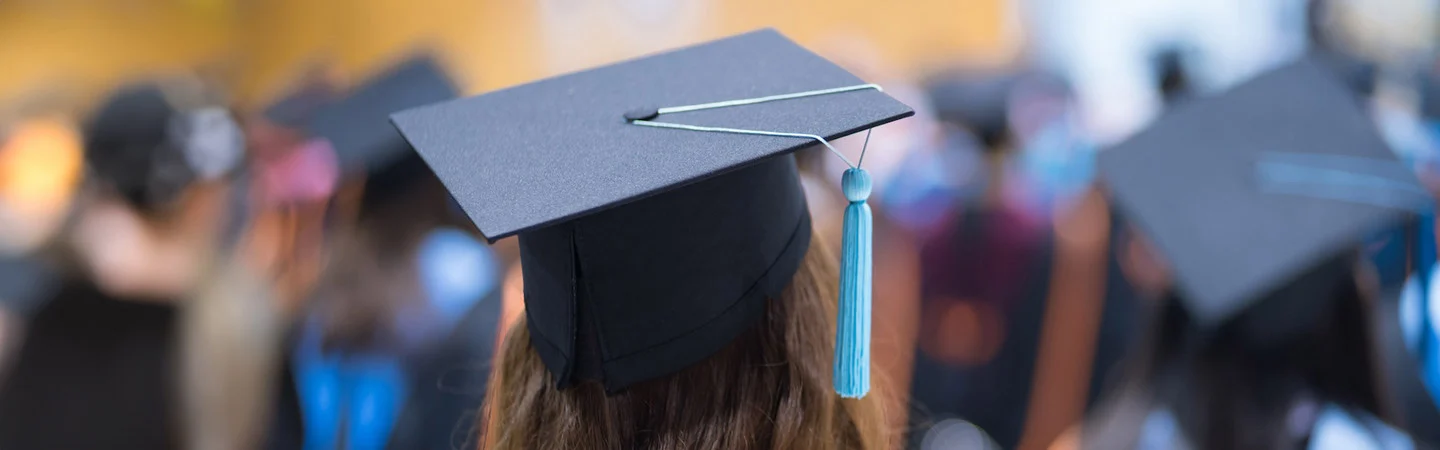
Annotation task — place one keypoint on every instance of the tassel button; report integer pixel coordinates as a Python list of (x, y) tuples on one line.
[(856, 185)]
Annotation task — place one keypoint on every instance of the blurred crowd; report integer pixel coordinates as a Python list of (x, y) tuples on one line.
[(179, 270)]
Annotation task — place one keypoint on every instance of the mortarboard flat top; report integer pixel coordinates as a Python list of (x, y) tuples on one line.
[(544, 152), (646, 250), (1191, 183), (357, 125)]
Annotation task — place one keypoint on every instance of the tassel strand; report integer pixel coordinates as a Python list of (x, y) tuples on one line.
[(852, 336)]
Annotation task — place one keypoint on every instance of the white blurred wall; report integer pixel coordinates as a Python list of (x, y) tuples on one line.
[(1105, 48)]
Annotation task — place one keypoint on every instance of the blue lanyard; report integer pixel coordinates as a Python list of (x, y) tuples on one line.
[(1425, 341), (356, 398)]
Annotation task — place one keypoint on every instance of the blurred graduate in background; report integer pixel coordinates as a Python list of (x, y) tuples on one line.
[(394, 344), (980, 252), (40, 169), (1277, 351), (144, 267), (295, 177)]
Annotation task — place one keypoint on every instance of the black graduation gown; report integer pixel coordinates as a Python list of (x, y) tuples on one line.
[(94, 373), (448, 384), (994, 396)]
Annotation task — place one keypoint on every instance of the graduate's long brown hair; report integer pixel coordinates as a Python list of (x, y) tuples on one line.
[(770, 389), (371, 274)]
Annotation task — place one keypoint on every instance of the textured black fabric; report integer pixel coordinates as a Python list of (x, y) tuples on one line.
[(645, 250)]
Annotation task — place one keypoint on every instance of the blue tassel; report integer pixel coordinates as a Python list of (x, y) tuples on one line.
[(852, 337)]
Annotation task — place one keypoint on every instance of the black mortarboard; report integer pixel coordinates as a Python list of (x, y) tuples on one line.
[(358, 126), (1261, 193), (127, 146), (148, 149), (979, 102), (295, 109), (646, 250)]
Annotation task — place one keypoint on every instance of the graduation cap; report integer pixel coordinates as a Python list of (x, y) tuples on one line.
[(149, 149), (295, 109), (1258, 196), (358, 127), (651, 235), (980, 102)]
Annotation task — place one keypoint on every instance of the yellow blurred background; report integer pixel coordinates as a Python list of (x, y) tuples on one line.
[(83, 47)]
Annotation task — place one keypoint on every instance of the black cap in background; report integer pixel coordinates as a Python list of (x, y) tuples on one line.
[(143, 143), (979, 102), (128, 146), (358, 125), (295, 109), (1259, 196)]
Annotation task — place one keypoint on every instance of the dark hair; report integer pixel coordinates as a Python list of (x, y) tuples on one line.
[(1233, 388), (1171, 81), (370, 274)]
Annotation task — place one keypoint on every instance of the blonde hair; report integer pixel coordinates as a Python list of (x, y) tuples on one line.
[(229, 348), (770, 389)]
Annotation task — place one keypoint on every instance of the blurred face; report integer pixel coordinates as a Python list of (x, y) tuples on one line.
[(134, 256)]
